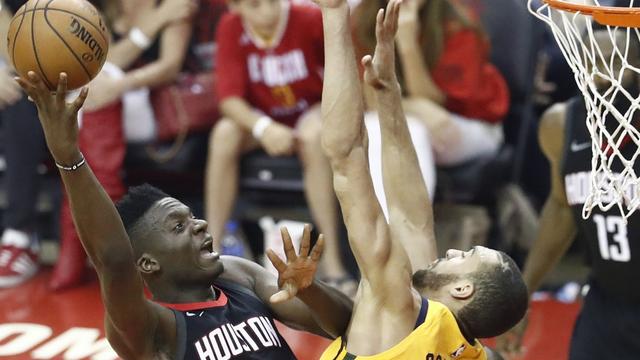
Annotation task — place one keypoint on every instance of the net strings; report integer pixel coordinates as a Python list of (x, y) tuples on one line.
[(611, 130)]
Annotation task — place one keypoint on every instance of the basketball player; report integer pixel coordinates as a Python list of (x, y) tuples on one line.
[(608, 326), (477, 293), (204, 306)]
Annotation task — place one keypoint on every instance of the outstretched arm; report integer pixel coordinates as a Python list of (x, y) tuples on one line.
[(383, 263), (410, 214), (131, 320)]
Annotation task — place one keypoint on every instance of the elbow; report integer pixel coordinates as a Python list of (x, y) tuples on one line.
[(169, 70), (333, 148), (338, 145), (173, 69)]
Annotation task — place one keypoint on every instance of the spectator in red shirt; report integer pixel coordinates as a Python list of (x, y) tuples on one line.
[(269, 80), (446, 77)]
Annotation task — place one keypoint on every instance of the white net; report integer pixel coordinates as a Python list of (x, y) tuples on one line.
[(604, 60)]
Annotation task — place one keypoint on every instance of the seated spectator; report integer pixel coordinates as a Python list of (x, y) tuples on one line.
[(24, 149), (151, 41), (269, 82), (447, 81)]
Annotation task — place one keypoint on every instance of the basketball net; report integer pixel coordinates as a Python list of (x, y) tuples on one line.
[(610, 128)]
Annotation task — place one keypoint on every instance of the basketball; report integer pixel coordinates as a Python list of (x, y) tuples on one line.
[(54, 36)]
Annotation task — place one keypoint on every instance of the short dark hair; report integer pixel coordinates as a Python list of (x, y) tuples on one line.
[(500, 300), (136, 203)]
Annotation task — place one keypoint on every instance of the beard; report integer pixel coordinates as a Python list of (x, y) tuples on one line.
[(427, 279)]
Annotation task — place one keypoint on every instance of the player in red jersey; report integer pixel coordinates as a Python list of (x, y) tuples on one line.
[(269, 80)]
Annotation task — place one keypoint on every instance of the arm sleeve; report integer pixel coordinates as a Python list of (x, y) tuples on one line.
[(231, 70)]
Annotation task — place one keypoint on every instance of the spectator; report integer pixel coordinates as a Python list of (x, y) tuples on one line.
[(148, 62), (445, 75), (24, 150), (269, 82)]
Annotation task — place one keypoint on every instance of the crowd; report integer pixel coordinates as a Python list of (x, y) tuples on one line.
[(267, 58)]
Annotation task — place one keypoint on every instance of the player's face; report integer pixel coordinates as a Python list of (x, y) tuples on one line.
[(184, 248), (262, 15), (457, 262)]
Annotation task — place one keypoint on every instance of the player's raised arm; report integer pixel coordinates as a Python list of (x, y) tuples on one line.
[(410, 214), (103, 236), (344, 141)]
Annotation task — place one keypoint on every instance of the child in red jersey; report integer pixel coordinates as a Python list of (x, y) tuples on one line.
[(270, 61)]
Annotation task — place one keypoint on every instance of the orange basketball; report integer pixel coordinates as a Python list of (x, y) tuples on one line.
[(54, 36)]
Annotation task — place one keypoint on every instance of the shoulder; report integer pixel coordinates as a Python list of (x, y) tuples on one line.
[(230, 21), (551, 131), (242, 272), (305, 15), (304, 11), (238, 270), (457, 36)]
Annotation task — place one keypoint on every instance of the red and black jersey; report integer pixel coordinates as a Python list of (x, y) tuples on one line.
[(282, 79), (613, 246), (238, 325)]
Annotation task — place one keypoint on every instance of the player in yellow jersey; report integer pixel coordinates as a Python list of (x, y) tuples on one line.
[(473, 294)]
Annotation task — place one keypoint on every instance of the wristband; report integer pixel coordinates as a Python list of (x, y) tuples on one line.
[(139, 38), (261, 126), (73, 167)]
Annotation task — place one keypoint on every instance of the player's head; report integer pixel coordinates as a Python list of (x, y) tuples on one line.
[(482, 287), (263, 16), (169, 243), (613, 49)]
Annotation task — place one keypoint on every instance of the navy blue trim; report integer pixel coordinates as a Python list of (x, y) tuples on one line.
[(423, 312)]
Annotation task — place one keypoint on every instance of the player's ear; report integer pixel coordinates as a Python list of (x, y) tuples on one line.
[(462, 289), (147, 264)]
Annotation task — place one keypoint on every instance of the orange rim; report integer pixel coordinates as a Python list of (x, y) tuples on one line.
[(605, 15)]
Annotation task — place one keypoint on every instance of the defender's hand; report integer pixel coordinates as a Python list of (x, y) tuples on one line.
[(278, 140), (380, 70), (59, 119), (299, 271)]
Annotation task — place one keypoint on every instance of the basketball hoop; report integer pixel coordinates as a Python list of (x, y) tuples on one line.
[(613, 180)]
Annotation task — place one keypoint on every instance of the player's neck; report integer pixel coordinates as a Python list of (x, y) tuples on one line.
[(463, 329), (171, 295)]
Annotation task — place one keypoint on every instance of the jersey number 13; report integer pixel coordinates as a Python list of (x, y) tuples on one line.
[(612, 238)]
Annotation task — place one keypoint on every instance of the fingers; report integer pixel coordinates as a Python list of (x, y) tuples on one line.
[(289, 251), (276, 261), (37, 82), (26, 86), (317, 249), (61, 91), (306, 241), (288, 292), (392, 15), (79, 101), (367, 61), (379, 22)]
